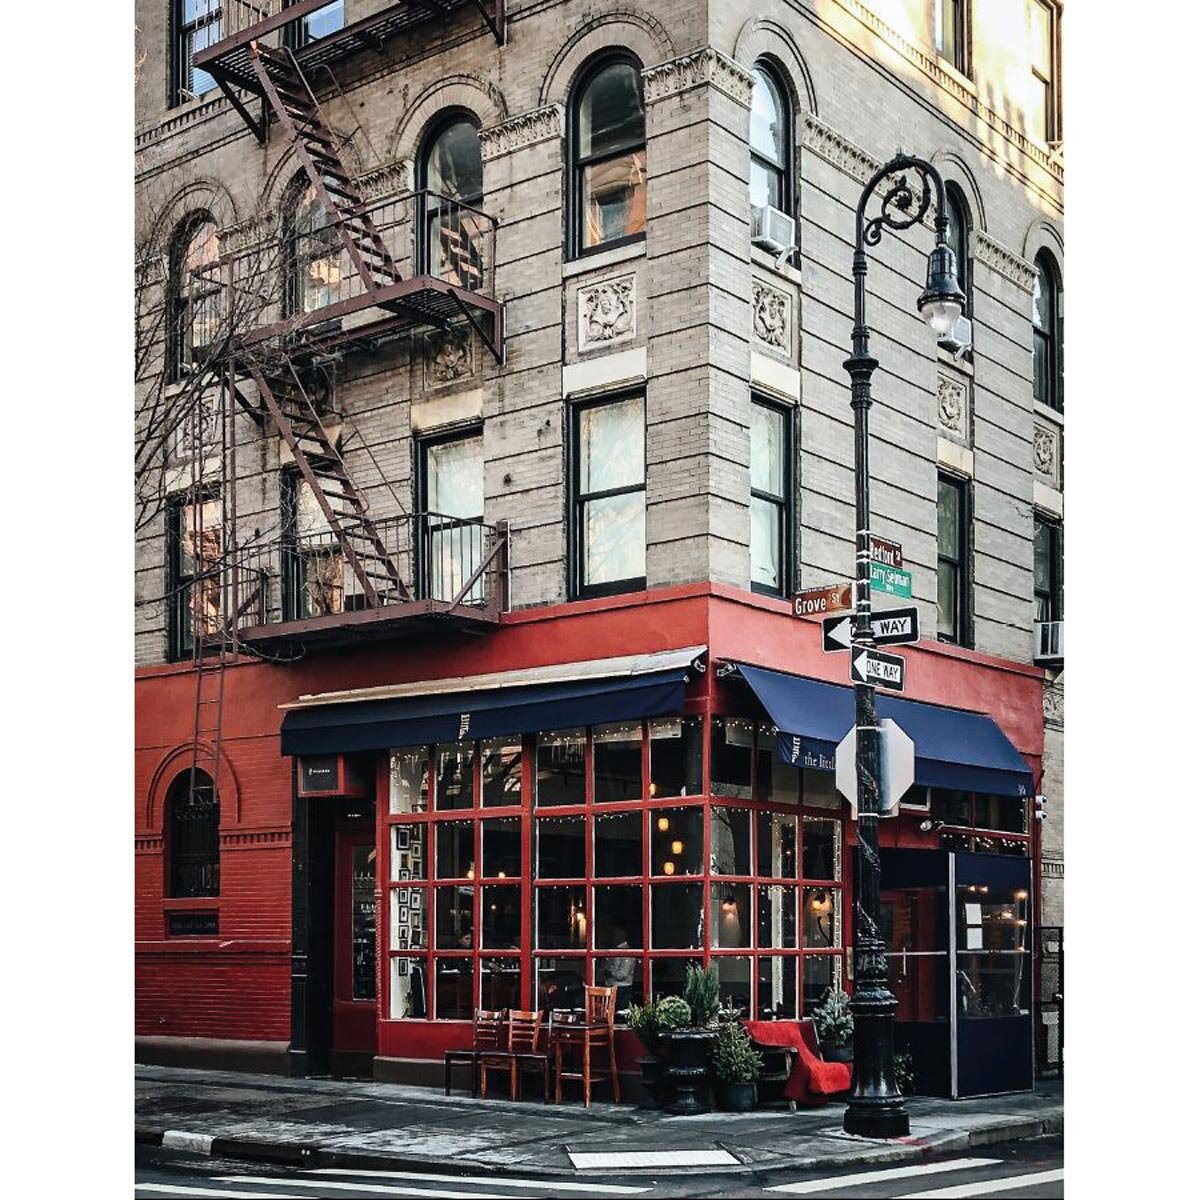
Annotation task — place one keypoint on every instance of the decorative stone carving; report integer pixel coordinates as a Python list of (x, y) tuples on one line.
[(839, 151), (772, 317), (449, 356), (691, 70), (953, 407), (1002, 260), (1052, 703), (540, 125), (247, 234), (1047, 452), (392, 179), (198, 435), (607, 312)]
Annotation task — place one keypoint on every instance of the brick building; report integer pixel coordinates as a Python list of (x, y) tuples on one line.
[(483, 438)]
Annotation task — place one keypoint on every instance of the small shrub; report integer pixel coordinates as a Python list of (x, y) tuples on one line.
[(643, 1024), (671, 1013), (833, 1019), (734, 1058), (701, 992)]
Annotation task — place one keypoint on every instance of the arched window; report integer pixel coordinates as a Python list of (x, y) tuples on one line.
[(194, 292), (958, 233), (313, 252), (451, 185), (608, 140), (193, 820), (770, 142), (1047, 333)]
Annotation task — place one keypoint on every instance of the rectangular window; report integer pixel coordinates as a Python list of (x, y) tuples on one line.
[(193, 572), (950, 32), (770, 497), (452, 508), (197, 26), (609, 506), (1043, 52), (314, 583), (953, 561), (1047, 569), (319, 24)]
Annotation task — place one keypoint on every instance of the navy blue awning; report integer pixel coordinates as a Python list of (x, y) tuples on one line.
[(514, 706), (954, 748)]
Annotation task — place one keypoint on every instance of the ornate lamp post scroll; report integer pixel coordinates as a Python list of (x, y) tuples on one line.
[(876, 1108)]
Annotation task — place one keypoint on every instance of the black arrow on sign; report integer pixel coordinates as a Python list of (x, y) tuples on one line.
[(893, 627), (873, 666)]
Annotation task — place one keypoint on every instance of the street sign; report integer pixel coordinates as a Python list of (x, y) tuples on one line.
[(873, 666), (887, 552), (891, 581), (897, 764), (829, 598), (894, 627)]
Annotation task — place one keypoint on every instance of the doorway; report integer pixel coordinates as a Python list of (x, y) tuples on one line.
[(354, 943)]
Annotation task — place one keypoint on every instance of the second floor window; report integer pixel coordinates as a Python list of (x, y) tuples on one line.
[(1043, 116), (609, 143), (958, 233), (1047, 569), (609, 496), (193, 572), (950, 32), (1047, 333), (452, 501), (314, 583), (197, 26), (770, 497), (195, 287), (318, 24), (770, 143), (451, 183), (953, 561), (313, 252)]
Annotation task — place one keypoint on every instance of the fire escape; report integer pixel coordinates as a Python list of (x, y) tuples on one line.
[(378, 576)]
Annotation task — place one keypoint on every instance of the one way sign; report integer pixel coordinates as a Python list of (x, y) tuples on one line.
[(873, 666), (891, 628)]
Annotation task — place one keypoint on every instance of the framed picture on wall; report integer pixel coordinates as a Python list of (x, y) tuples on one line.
[(403, 837)]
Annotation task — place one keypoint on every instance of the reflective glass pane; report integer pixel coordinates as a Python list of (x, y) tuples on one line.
[(454, 166), (675, 756), (561, 763), (623, 972), (454, 989), (777, 857), (777, 988), (822, 918), (821, 972), (822, 857), (676, 916), (947, 600), (454, 918), (732, 751), (668, 975), (767, 134), (617, 919), (454, 477), (502, 848), (325, 20), (766, 529), (408, 997), (677, 841), (766, 184), (500, 766), (560, 983), (611, 114), (949, 519), (454, 778), (733, 978), (501, 918), (729, 915), (614, 538), (767, 436), (560, 848), (561, 922), (617, 842), (729, 838), (617, 762), (455, 850), (777, 917), (614, 198), (612, 445), (499, 982)]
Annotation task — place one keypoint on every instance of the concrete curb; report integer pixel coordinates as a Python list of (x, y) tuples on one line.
[(303, 1154)]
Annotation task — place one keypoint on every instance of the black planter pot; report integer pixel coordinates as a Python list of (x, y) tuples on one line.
[(689, 1069), (653, 1081), (737, 1097), (842, 1054)]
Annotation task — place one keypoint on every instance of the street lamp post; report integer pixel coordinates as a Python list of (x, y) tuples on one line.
[(876, 1107)]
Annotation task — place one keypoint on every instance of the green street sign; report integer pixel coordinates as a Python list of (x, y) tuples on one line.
[(892, 581)]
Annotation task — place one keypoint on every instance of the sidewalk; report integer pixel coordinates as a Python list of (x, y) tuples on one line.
[(391, 1126)]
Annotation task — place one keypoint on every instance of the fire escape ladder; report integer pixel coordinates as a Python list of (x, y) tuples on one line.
[(209, 708), (323, 470), (292, 100)]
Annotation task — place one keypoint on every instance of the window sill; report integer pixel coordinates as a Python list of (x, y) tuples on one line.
[(761, 258), (604, 258), (1049, 414), (955, 74)]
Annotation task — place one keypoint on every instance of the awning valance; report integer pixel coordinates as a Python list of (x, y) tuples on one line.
[(513, 702), (954, 748)]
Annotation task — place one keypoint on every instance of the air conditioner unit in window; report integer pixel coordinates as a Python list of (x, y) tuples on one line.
[(1048, 641), (959, 340), (772, 229)]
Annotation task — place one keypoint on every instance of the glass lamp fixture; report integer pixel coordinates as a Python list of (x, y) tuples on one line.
[(664, 823), (677, 847), (942, 301)]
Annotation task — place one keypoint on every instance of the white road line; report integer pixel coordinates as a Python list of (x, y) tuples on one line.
[(830, 1183), (178, 1189), (985, 1187), (179, 1139), (592, 1189), (615, 1160), (377, 1188)]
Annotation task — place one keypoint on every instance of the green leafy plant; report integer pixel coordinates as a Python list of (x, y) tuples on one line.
[(701, 992), (643, 1024), (671, 1013), (833, 1020), (905, 1080), (734, 1058)]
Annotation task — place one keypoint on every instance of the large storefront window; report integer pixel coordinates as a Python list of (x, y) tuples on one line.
[(522, 869)]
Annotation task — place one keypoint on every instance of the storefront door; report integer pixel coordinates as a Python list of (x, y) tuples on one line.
[(354, 942)]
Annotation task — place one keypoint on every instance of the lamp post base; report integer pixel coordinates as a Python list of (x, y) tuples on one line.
[(886, 1119)]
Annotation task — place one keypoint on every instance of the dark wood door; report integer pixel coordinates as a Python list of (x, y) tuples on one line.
[(354, 949)]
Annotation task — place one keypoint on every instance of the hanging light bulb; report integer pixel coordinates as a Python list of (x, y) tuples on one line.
[(664, 823), (668, 868), (677, 847)]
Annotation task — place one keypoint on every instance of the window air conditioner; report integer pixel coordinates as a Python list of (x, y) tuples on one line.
[(959, 340), (1048, 641), (772, 229)]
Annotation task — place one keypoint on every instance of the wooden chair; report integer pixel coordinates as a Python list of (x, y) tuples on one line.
[(487, 1033), (521, 1053), (591, 1039)]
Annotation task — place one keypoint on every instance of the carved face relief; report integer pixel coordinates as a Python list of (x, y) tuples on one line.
[(772, 311), (952, 404), (449, 357), (607, 312), (1045, 452)]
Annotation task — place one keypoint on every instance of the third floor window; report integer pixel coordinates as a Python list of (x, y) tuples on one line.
[(451, 183), (1043, 30), (951, 32), (770, 142), (197, 25), (452, 501), (1047, 333)]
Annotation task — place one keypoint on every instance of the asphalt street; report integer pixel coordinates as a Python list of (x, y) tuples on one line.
[(1028, 1170)]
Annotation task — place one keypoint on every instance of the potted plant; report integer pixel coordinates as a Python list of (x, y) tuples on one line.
[(834, 1024), (643, 1024), (690, 1038), (737, 1066)]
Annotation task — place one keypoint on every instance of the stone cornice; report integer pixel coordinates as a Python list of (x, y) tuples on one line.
[(838, 150), (706, 66), (391, 179), (527, 129), (1004, 261)]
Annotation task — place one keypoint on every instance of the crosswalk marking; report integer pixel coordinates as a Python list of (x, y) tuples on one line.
[(618, 1159), (179, 1189), (376, 1188), (986, 1187), (592, 1189), (829, 1183)]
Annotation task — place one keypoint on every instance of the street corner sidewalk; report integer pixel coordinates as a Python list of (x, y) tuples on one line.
[(313, 1122)]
